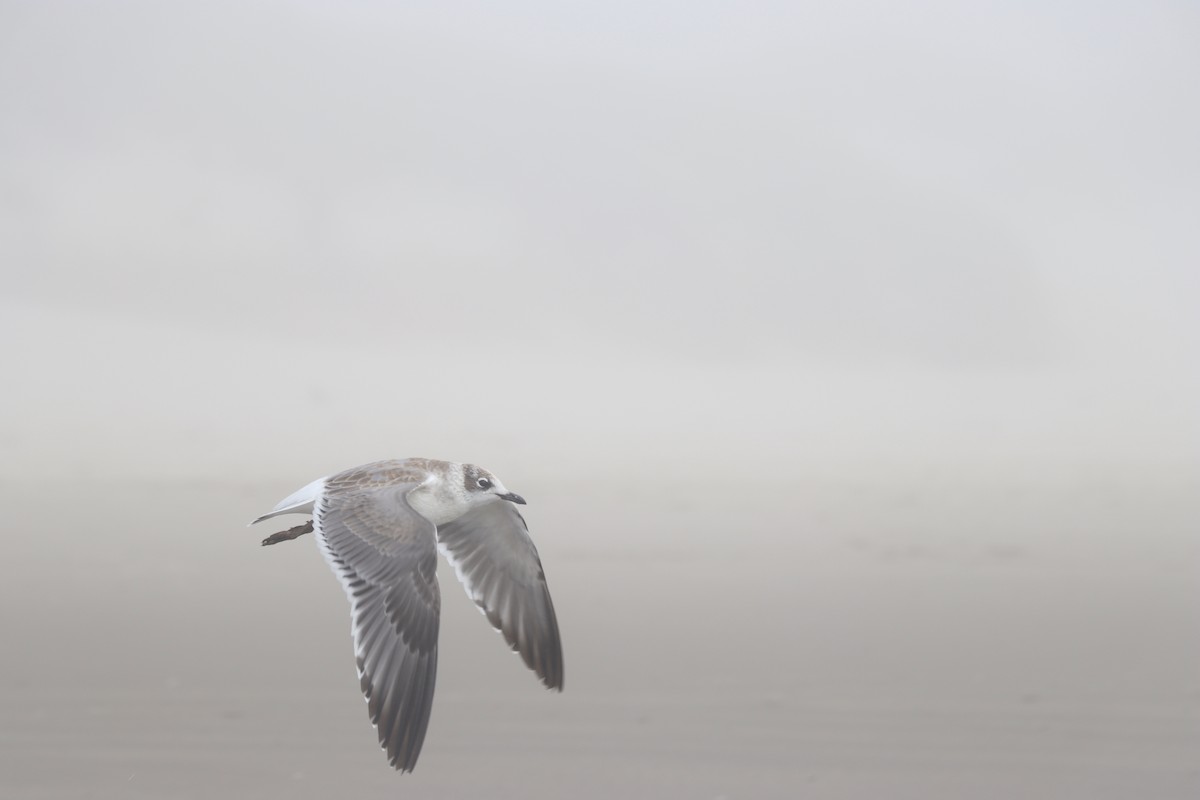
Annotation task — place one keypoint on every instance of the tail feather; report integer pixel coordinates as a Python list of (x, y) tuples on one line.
[(298, 502)]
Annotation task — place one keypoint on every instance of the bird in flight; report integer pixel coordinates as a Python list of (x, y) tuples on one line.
[(380, 526)]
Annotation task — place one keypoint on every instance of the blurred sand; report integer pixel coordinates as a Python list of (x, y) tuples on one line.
[(845, 352), (835, 640)]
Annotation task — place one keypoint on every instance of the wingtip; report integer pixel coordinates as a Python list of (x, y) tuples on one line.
[(399, 763)]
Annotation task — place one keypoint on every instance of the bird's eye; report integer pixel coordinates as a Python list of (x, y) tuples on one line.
[(484, 483)]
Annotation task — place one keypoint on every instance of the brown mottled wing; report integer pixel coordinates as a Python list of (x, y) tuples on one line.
[(498, 565), (386, 557)]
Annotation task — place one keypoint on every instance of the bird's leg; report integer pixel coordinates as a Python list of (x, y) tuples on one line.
[(290, 533)]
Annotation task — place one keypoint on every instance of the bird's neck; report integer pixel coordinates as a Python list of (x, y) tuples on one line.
[(441, 498)]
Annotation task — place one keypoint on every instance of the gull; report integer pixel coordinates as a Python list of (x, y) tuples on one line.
[(380, 526)]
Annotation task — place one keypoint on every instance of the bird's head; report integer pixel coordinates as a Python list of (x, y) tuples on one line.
[(482, 486)]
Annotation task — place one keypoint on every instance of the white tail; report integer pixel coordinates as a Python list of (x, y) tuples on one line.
[(298, 502)]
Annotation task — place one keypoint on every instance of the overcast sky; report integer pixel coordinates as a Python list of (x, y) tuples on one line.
[(333, 232)]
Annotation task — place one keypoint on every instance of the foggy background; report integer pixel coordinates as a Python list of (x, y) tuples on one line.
[(847, 357)]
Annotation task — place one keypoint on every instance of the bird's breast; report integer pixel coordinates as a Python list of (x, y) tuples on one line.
[(437, 504)]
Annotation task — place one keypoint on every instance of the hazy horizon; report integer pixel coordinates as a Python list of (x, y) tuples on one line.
[(847, 356)]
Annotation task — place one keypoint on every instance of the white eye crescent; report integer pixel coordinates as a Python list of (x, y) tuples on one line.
[(484, 483)]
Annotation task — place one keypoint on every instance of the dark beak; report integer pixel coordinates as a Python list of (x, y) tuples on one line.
[(512, 498)]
